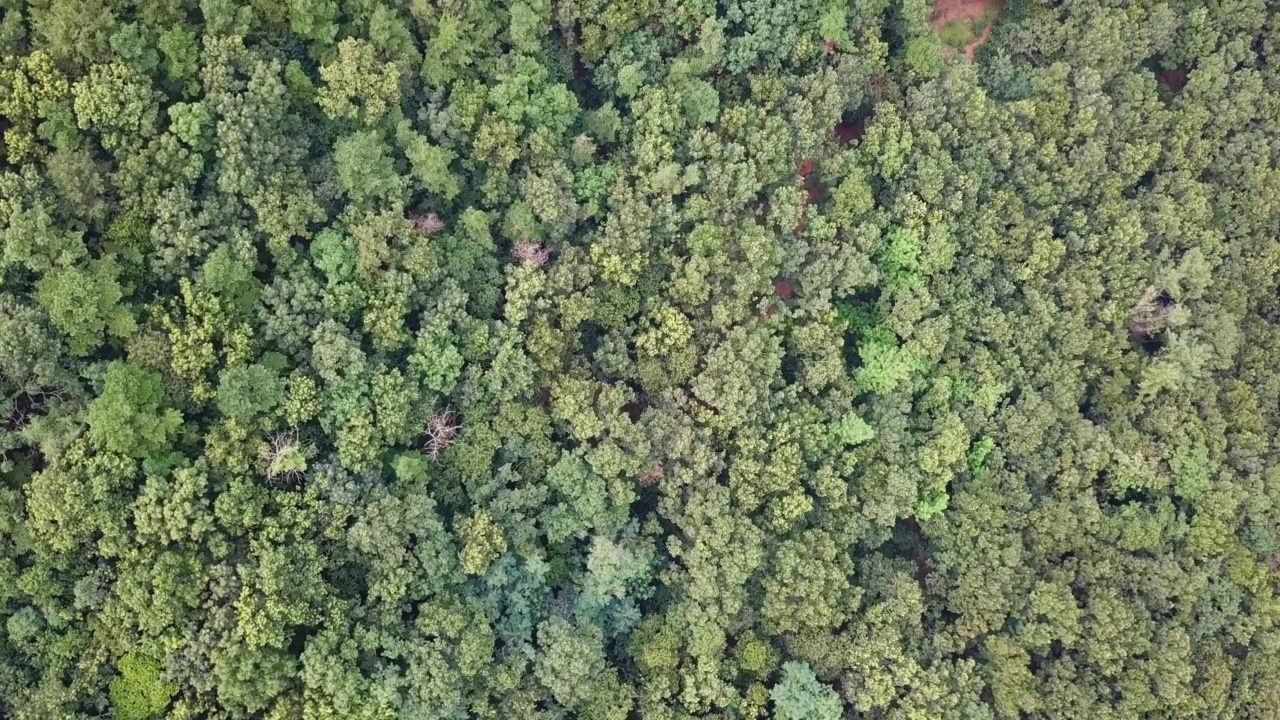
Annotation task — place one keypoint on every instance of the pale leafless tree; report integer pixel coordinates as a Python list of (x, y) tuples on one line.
[(531, 253), (428, 224), (441, 432), (28, 403), (1153, 312), (650, 476), (285, 459)]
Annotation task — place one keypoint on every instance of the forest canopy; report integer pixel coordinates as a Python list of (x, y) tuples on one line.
[(664, 359)]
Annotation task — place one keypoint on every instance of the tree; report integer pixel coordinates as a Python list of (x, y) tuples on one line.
[(482, 542), (571, 665), (246, 392), (32, 238), (130, 416), (181, 52), (357, 86), (602, 359), (75, 34), (31, 87), (314, 19), (118, 102), (799, 695), (430, 163), (364, 169), (139, 693), (807, 588), (85, 304)]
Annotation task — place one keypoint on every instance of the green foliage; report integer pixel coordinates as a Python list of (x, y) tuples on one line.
[(356, 85), (955, 34), (117, 101), (900, 258), (366, 359), (437, 362), (230, 278), (192, 123), (799, 695), (571, 663), (923, 56), (130, 417), (181, 52), (32, 241), (806, 590), (138, 692), (129, 43), (852, 430), (86, 304), (246, 392), (430, 163), (482, 542), (314, 19), (365, 170), (886, 363), (75, 33)]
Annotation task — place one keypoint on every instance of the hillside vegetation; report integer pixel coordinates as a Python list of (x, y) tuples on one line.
[(617, 359)]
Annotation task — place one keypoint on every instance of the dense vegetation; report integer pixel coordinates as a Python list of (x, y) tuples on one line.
[(442, 359)]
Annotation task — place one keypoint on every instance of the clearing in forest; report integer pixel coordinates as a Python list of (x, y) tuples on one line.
[(964, 25)]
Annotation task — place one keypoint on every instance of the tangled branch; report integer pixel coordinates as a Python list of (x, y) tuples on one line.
[(531, 253), (441, 432), (285, 461), (428, 224)]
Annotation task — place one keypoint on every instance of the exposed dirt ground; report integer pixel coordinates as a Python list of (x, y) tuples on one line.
[(968, 11), (1175, 79)]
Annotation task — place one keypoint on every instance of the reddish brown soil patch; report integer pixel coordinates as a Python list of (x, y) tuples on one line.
[(812, 192), (633, 411), (848, 132), (969, 11), (1175, 79)]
